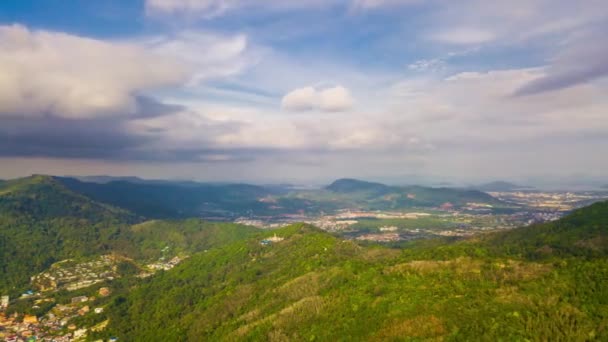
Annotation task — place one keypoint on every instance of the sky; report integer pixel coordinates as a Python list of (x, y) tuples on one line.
[(305, 91)]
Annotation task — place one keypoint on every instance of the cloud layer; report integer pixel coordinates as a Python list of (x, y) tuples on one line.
[(333, 99), (46, 73), (391, 87)]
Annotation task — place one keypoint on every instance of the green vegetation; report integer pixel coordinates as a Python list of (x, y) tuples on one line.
[(584, 233), (181, 200), (42, 222), (314, 286), (543, 282), (174, 200), (351, 193), (156, 238)]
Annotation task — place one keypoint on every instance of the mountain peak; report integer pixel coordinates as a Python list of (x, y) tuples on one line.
[(346, 185)]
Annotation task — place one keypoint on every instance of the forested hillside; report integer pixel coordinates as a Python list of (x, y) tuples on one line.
[(164, 200), (42, 222), (174, 200), (352, 193), (314, 286)]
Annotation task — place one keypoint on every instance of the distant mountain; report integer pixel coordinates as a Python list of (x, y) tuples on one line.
[(377, 196), (347, 185), (174, 200), (43, 198), (310, 285), (135, 180), (500, 186), (165, 199), (107, 179)]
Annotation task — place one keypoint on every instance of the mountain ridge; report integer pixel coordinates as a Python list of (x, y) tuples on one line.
[(295, 288)]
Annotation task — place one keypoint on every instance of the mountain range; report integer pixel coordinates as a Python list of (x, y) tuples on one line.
[(541, 282), (545, 282), (169, 199)]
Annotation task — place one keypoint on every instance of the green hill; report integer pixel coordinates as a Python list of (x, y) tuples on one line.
[(165, 199), (582, 233), (347, 185), (182, 236), (314, 286), (41, 222), (174, 200), (352, 193)]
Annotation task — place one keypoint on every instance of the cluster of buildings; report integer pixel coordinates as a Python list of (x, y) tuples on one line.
[(73, 276), (385, 237), (556, 201), (55, 325), (14, 328), (163, 265)]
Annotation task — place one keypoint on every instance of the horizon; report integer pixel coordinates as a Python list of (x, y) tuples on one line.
[(571, 184), (416, 91)]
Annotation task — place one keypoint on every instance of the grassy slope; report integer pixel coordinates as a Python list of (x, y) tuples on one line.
[(313, 286)]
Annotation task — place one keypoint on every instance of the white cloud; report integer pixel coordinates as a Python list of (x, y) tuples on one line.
[(214, 8), (206, 8), (333, 99), (46, 73), (300, 99), (372, 4), (464, 36), (433, 64), (472, 108), (211, 55)]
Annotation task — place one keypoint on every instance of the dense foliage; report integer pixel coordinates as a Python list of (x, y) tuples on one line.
[(174, 200), (543, 282), (42, 222), (314, 286)]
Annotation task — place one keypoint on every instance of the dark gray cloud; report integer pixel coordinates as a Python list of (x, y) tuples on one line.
[(63, 138), (582, 59), (148, 107), (102, 137), (559, 79), (111, 138)]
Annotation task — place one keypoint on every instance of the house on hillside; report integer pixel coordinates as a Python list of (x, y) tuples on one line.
[(79, 299), (270, 240)]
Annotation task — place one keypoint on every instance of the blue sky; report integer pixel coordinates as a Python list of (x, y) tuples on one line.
[(307, 91)]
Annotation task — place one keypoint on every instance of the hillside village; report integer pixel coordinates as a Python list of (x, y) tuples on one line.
[(66, 277)]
